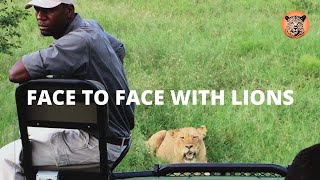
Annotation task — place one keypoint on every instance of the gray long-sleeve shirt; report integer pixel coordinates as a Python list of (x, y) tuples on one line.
[(87, 52)]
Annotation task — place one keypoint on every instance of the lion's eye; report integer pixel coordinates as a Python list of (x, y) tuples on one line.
[(182, 137), (195, 137)]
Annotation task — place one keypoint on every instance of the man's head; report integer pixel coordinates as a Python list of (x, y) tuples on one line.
[(306, 165), (53, 16)]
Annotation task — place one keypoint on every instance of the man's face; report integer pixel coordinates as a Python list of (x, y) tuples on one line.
[(53, 21)]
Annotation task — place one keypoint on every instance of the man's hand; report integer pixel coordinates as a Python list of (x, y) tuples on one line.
[(18, 73)]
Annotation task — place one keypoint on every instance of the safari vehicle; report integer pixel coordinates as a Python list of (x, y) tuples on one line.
[(215, 171), (92, 117)]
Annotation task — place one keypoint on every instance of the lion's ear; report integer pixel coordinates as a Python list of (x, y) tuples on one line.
[(303, 18), (173, 132), (202, 130)]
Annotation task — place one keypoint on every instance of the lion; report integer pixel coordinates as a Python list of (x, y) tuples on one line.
[(183, 145)]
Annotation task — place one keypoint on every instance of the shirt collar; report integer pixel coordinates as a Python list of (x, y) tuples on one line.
[(76, 23)]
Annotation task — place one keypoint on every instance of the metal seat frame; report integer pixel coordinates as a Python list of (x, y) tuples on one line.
[(91, 117)]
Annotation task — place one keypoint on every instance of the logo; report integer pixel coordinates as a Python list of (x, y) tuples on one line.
[(295, 24)]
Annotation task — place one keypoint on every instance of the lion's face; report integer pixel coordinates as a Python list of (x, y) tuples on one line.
[(188, 143), (295, 25)]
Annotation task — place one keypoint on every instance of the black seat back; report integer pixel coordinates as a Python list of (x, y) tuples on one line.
[(78, 116)]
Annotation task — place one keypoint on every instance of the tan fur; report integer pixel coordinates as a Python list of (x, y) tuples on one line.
[(183, 145)]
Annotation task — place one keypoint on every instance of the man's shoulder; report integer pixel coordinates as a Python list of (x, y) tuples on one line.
[(76, 37), (86, 31), (82, 31)]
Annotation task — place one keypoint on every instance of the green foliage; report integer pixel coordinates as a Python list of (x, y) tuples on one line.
[(10, 17), (309, 65), (308, 6)]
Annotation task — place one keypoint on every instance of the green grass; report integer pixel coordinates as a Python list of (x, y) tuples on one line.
[(203, 44)]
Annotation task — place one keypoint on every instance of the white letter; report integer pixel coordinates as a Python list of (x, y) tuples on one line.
[(87, 94), (272, 97), (245, 97), (105, 97), (286, 95), (119, 96), (55, 97), (180, 97), (253, 97), (31, 97), (44, 98), (234, 98), (143, 97), (70, 97), (133, 97), (214, 97), (203, 94), (194, 97), (158, 97)]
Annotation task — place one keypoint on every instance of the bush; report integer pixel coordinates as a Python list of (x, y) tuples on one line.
[(307, 6), (10, 17), (309, 64)]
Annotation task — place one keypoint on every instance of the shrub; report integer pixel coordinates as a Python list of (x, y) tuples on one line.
[(10, 17), (309, 64)]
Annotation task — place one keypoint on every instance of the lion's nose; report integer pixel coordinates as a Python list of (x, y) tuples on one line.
[(189, 146)]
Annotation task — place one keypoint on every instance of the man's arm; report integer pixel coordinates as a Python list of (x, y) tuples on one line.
[(18, 73)]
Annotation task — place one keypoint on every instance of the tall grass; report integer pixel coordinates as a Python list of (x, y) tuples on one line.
[(203, 44)]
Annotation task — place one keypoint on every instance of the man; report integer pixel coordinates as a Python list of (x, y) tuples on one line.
[(306, 165), (81, 50)]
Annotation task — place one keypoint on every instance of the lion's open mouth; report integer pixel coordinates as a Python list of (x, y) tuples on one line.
[(189, 155)]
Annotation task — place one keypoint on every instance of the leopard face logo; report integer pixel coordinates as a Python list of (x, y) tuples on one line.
[(295, 25)]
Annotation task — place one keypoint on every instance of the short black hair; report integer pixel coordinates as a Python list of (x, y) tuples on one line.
[(306, 165)]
